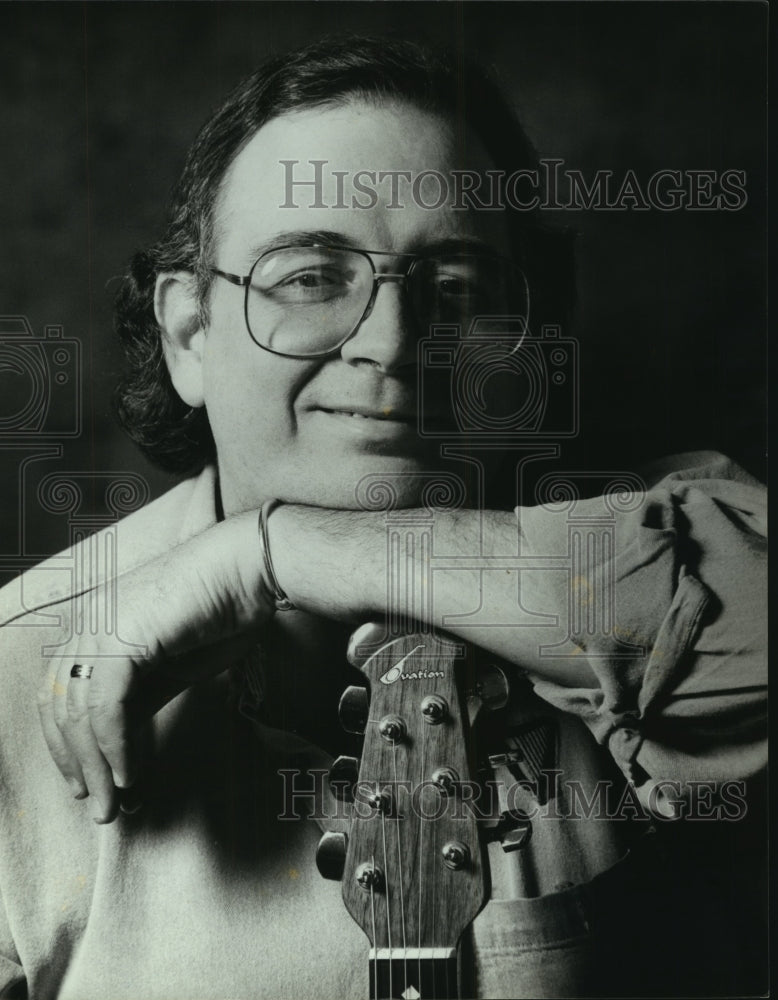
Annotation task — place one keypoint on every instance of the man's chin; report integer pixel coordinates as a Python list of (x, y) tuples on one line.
[(379, 482)]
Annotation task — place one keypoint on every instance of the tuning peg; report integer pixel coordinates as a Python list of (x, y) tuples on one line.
[(367, 636), (492, 687), (517, 837), (331, 855), (490, 691), (513, 830), (353, 709), (342, 778)]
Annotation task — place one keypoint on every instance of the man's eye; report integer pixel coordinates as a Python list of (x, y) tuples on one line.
[(311, 285), (456, 286), (310, 280)]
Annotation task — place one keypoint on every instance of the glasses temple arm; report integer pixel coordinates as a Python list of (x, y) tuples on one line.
[(235, 279)]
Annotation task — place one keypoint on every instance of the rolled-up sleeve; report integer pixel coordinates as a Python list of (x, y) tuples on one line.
[(678, 641)]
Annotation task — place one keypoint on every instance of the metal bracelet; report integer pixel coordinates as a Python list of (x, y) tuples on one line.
[(282, 602)]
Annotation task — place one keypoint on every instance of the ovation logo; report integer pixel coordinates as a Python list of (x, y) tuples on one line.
[(397, 672)]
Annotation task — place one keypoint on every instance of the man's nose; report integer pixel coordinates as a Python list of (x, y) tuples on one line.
[(386, 337)]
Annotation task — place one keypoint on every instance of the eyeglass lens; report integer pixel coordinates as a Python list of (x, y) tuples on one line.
[(308, 300)]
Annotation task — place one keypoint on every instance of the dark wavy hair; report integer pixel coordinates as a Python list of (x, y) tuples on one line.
[(327, 73)]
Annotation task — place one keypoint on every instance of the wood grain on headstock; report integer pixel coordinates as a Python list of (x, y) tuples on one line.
[(421, 901)]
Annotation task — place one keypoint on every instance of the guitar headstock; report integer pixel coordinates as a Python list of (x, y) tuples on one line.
[(415, 874)]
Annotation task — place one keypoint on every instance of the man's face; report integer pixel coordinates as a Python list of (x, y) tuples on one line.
[(308, 431)]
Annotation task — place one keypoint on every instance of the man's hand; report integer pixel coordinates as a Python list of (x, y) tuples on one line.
[(205, 603), (192, 612)]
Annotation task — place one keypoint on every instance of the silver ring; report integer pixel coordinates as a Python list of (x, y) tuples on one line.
[(83, 670)]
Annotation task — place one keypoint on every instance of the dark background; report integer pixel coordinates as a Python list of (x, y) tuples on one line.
[(101, 100)]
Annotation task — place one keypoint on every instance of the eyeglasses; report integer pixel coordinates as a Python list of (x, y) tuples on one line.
[(307, 301)]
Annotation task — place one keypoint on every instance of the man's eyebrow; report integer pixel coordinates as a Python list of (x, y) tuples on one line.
[(325, 237), (458, 244), (301, 238)]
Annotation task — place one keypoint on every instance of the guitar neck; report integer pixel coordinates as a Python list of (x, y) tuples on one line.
[(414, 870), (413, 973)]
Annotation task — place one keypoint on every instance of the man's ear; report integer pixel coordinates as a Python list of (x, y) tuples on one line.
[(183, 336)]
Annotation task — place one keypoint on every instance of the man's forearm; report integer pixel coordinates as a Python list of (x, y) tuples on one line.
[(460, 571)]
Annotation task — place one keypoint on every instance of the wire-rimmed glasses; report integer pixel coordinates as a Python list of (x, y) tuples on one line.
[(307, 301)]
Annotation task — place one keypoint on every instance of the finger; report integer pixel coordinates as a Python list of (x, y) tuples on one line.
[(123, 696), (156, 688), (130, 799), (52, 692), (83, 743), (113, 721)]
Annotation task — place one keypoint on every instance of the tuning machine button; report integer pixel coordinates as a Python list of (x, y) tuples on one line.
[(353, 709), (343, 775), (517, 837), (367, 637), (513, 830), (491, 691), (492, 686), (331, 855)]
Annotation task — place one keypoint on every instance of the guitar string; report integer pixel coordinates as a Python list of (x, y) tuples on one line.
[(375, 942), (447, 970), (421, 845), (388, 904), (433, 842), (400, 867), (432, 910)]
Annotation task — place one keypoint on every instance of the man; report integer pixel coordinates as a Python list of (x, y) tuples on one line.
[(275, 335)]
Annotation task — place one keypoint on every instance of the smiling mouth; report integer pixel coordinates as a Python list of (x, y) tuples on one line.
[(387, 415)]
